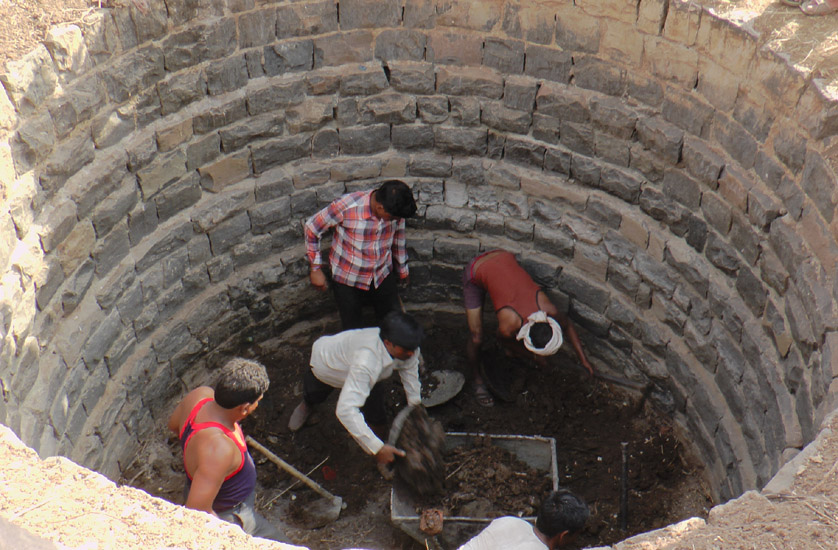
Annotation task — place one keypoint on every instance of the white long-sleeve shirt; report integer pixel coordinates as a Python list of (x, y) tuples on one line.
[(355, 360), (506, 533)]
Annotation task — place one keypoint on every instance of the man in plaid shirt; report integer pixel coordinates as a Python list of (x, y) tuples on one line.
[(368, 243)]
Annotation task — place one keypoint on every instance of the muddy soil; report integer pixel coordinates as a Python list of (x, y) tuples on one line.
[(588, 419)]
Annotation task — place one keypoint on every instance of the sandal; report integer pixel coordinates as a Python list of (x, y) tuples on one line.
[(818, 7), (483, 397)]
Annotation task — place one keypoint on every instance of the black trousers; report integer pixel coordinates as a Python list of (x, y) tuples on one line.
[(315, 392), (350, 300)]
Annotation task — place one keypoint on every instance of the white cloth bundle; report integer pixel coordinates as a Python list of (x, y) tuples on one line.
[(555, 342)]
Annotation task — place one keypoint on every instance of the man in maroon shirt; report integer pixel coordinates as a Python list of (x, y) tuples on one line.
[(368, 243), (529, 325)]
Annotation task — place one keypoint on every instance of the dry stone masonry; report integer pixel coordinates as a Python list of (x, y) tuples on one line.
[(663, 173)]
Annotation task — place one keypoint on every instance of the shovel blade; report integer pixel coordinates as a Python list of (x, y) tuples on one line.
[(319, 512)]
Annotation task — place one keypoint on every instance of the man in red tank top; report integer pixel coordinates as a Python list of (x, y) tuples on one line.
[(221, 475), (529, 325)]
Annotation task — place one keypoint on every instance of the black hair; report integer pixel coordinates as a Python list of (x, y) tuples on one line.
[(396, 198), (540, 334), (561, 511), (401, 329), (240, 381)]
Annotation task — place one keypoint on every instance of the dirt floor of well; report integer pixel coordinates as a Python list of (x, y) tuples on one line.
[(588, 419)]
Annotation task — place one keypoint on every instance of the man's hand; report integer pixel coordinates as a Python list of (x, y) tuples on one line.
[(588, 366), (388, 454), (318, 279)]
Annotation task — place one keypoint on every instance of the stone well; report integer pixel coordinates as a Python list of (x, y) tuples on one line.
[(663, 173)]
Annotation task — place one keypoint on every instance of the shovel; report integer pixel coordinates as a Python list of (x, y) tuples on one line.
[(320, 512)]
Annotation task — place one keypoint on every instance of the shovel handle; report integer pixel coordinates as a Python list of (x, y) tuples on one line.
[(292, 470)]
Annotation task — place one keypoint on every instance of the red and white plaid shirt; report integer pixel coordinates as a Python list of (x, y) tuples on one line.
[(364, 246)]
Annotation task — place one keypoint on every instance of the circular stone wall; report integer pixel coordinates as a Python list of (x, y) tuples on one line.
[(661, 173)]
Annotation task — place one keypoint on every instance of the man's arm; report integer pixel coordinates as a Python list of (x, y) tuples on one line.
[(400, 250), (314, 229), (410, 380), (216, 459), (567, 328)]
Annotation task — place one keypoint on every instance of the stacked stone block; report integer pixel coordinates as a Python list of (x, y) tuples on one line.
[(160, 165)]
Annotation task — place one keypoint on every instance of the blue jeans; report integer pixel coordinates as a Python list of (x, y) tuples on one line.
[(244, 515)]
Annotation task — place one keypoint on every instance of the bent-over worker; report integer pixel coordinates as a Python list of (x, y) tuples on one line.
[(357, 361), (528, 322)]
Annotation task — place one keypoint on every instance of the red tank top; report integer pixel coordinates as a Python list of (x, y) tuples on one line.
[(507, 283), (238, 485)]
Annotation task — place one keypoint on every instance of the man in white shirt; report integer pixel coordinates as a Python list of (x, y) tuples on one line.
[(561, 517), (356, 361)]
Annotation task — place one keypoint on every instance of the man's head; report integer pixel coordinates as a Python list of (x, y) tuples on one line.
[(396, 198), (540, 334), (402, 331), (562, 515), (241, 381)]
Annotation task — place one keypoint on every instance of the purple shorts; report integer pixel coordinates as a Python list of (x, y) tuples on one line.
[(473, 293)]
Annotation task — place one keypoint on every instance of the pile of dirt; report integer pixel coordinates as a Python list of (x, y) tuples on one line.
[(422, 439), (486, 481)]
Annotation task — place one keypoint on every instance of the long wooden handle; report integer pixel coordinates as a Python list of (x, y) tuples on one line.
[(291, 470)]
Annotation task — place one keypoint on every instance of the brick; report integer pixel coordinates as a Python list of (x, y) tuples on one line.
[(443, 217), (65, 160), (32, 142), (326, 144), (400, 44), (173, 135), (267, 216), (818, 181), (310, 115), (275, 94), (507, 56), (496, 115), (594, 74), (548, 63), (660, 136), (413, 137), (371, 14), (164, 170), (363, 80), (202, 151), (227, 170), (613, 115), (289, 56), (622, 183), (717, 84), (563, 102), (227, 75), (207, 41), (455, 140), (519, 93), (76, 247), (424, 165), (682, 188), (365, 139), (257, 28), (576, 30), (717, 212), (622, 43), (388, 108), (412, 76), (611, 149), (31, 80), (645, 90), (79, 102), (237, 136), (310, 18), (433, 109), (465, 111), (579, 138), (689, 112), (671, 61), (734, 185), (115, 207), (274, 152), (355, 169), (469, 81), (702, 162), (454, 49), (343, 48), (218, 114)]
